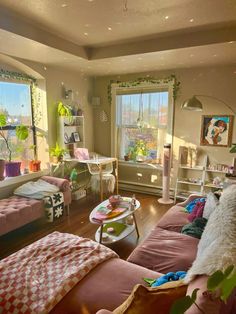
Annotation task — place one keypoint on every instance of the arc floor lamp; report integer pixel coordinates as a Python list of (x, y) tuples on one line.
[(194, 104)]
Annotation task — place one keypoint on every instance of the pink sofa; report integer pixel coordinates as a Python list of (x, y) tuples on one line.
[(164, 250), (17, 211)]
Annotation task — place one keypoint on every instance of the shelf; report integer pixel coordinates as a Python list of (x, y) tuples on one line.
[(190, 183), (111, 238), (200, 168), (217, 171), (213, 186)]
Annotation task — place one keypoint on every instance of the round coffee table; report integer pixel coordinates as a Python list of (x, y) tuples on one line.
[(122, 218)]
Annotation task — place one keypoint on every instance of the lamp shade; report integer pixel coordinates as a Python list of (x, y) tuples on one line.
[(192, 104)]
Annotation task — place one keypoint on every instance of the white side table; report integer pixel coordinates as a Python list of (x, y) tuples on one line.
[(127, 231)]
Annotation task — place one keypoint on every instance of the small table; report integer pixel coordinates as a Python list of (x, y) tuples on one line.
[(100, 161), (129, 227)]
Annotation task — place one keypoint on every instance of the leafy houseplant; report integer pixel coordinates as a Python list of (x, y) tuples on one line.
[(64, 110), (219, 285), (22, 132), (139, 151), (57, 153)]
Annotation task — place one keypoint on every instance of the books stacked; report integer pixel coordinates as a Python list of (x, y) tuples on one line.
[(108, 212)]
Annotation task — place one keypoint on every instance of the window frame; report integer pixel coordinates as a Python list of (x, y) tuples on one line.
[(32, 127), (146, 86)]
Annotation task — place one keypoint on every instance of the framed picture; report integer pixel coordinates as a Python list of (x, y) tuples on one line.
[(216, 130), (66, 138), (75, 136)]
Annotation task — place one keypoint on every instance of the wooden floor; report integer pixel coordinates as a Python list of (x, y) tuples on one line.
[(78, 223)]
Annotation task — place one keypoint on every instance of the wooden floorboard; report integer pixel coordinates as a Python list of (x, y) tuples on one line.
[(78, 223)]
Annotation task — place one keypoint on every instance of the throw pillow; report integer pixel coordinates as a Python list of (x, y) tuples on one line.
[(211, 204), (143, 300), (197, 211), (191, 204)]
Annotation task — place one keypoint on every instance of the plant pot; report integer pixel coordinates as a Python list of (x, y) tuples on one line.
[(12, 168), (2, 168), (34, 165), (71, 150), (126, 157)]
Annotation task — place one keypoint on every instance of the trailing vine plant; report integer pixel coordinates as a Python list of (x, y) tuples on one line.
[(148, 80)]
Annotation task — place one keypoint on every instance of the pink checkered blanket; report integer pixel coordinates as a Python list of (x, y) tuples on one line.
[(36, 278)]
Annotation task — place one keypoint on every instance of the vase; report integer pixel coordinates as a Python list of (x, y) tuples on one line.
[(2, 168), (12, 168)]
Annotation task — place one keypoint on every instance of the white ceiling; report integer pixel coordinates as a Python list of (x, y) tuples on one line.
[(100, 37)]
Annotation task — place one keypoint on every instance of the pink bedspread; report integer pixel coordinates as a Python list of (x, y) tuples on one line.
[(36, 278)]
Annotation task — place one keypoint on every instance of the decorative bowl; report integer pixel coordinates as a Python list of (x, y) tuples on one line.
[(114, 200)]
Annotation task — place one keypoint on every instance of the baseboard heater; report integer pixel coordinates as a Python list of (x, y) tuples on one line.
[(142, 188)]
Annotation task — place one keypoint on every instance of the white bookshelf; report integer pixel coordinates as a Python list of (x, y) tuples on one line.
[(69, 130)]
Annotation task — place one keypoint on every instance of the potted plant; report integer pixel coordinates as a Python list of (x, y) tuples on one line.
[(57, 153), (140, 151), (12, 168)]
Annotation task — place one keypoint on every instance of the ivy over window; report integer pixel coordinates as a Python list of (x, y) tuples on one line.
[(146, 80)]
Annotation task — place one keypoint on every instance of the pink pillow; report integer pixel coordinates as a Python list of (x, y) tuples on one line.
[(197, 211)]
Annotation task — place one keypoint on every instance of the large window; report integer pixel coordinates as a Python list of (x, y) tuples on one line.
[(15, 103), (142, 123)]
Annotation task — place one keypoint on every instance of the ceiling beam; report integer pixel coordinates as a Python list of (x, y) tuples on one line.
[(17, 25), (180, 39)]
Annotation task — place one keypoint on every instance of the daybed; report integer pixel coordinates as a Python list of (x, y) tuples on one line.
[(17, 211), (111, 281)]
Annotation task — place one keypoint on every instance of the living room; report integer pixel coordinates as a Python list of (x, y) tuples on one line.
[(93, 72)]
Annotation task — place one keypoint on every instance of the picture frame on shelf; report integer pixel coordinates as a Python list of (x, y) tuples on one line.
[(67, 139), (76, 137), (216, 130)]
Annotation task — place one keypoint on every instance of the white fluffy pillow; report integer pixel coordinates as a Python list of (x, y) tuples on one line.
[(211, 204)]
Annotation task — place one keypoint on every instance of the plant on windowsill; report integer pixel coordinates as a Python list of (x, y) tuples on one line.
[(12, 168), (57, 153), (139, 152)]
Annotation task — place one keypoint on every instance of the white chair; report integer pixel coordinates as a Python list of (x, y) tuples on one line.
[(108, 179)]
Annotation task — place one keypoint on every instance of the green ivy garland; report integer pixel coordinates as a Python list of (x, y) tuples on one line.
[(149, 80), (35, 94)]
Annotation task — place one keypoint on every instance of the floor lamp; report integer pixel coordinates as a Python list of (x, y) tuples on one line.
[(166, 176), (194, 104)]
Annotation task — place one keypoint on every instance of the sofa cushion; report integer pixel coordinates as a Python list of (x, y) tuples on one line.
[(211, 203), (145, 300), (165, 251), (106, 286), (175, 218)]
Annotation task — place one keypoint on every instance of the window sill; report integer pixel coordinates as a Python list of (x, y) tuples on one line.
[(137, 164), (22, 178)]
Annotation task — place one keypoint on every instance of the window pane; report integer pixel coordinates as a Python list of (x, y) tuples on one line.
[(15, 102), (153, 139), (151, 108)]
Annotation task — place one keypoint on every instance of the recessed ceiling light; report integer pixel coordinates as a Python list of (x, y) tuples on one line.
[(140, 58), (214, 55), (64, 5), (90, 0), (109, 28), (191, 20), (191, 55), (231, 42), (85, 34), (166, 17)]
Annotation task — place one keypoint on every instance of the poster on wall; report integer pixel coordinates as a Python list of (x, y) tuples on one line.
[(216, 130)]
